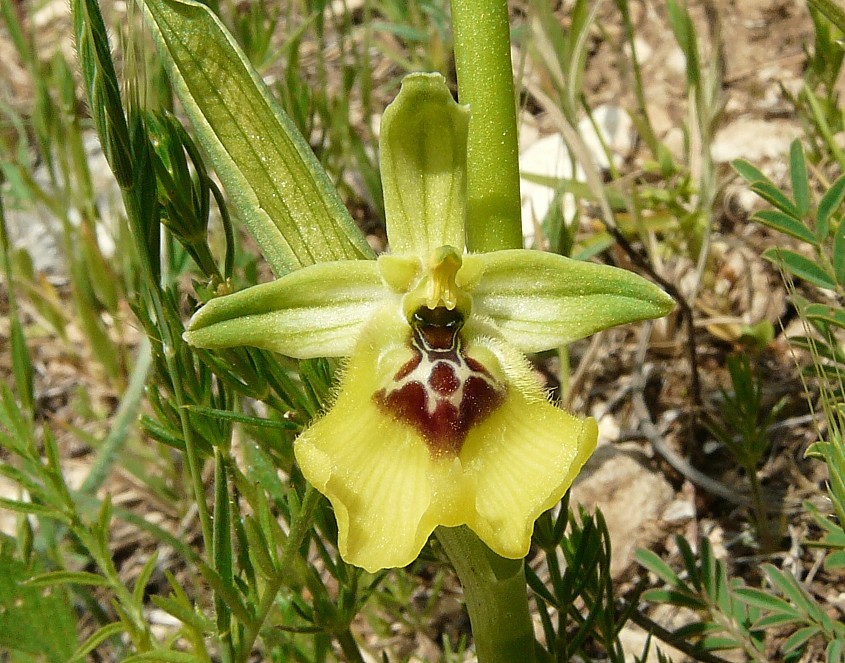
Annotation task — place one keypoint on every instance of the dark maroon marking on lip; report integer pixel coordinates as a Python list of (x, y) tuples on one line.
[(480, 399), (409, 367), (439, 429), (475, 365), (444, 427), (443, 379), (406, 404)]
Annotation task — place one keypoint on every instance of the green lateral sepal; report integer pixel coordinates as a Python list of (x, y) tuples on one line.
[(317, 311), (540, 301)]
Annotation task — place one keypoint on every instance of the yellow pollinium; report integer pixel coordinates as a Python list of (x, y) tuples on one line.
[(437, 285), (442, 290)]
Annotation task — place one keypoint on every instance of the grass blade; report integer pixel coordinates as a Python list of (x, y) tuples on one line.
[(124, 419)]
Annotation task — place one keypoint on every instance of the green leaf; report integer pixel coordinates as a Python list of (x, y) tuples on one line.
[(786, 224), (657, 566), (838, 252), (272, 177), (761, 599), (798, 175), (237, 417), (822, 312), (263, 473), (799, 638), (123, 422), (749, 172), (222, 537), (162, 657), (789, 587), (831, 11), (685, 35), (96, 639), (834, 651), (835, 560), (696, 630), (720, 590), (539, 588), (834, 534), (423, 151), (801, 267), (828, 205), (674, 597), (227, 591), (68, 578), (184, 613), (33, 620), (777, 619), (21, 364), (15, 30), (709, 571), (819, 117), (690, 562), (258, 548), (30, 507), (774, 196), (102, 88), (140, 588), (716, 643)]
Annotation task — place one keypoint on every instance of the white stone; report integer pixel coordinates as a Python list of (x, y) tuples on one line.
[(609, 429), (643, 48), (615, 131), (676, 61), (548, 157), (754, 140), (678, 511)]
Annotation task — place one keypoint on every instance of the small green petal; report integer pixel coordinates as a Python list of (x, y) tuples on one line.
[(423, 146), (317, 311), (540, 301), (400, 273)]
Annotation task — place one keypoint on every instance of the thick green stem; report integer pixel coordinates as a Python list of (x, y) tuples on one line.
[(350, 648), (495, 595), (485, 83)]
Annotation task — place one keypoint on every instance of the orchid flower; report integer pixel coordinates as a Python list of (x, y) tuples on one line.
[(438, 418)]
